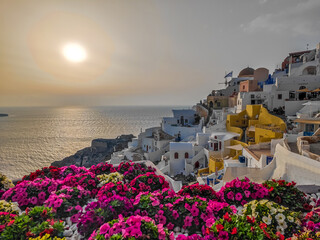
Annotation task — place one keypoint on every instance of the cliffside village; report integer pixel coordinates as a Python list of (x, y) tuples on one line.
[(261, 126)]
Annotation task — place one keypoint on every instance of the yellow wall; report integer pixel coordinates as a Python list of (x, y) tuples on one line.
[(267, 126)]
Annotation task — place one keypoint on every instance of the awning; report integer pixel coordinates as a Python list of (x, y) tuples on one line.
[(304, 90), (237, 147), (316, 90)]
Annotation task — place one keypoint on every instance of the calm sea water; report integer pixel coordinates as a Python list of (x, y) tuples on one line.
[(32, 138)]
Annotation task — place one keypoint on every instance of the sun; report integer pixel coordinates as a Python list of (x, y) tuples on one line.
[(74, 52)]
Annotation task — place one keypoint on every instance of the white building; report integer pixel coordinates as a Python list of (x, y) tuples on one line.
[(179, 154), (183, 124)]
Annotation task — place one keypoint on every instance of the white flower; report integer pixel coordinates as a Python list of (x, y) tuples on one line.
[(283, 225), (280, 217), (290, 219), (266, 220), (273, 210), (280, 229), (269, 205)]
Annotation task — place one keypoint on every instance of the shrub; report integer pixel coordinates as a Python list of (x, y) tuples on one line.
[(130, 170), (277, 218), (10, 207), (49, 172), (102, 168), (68, 201), (112, 177), (236, 227), (102, 211), (134, 227), (148, 182), (86, 180), (239, 192), (6, 219), (286, 194), (111, 189), (194, 190), (31, 193), (39, 221)]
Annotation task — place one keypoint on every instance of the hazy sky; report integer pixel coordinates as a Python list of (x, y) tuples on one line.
[(164, 52)]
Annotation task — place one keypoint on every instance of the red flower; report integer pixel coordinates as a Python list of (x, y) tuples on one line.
[(280, 236), (226, 217), (271, 189), (219, 227), (234, 231), (250, 220)]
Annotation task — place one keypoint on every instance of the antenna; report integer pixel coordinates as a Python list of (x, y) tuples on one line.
[(307, 46)]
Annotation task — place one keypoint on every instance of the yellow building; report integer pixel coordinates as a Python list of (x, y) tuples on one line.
[(255, 125)]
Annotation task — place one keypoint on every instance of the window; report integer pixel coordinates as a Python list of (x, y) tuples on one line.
[(186, 155), (218, 104), (253, 102), (243, 87), (178, 121), (219, 145), (176, 155), (215, 146), (211, 144), (279, 96), (309, 127), (252, 95), (186, 120)]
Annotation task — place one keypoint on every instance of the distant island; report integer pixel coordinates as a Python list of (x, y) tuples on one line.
[(4, 115)]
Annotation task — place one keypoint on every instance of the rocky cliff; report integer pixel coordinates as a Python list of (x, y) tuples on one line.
[(100, 150)]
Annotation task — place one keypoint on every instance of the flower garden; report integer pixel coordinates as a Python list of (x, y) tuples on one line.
[(131, 201)]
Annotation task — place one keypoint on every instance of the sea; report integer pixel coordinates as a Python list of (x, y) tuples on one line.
[(34, 137)]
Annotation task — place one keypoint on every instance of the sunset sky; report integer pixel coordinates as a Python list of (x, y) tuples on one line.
[(166, 52)]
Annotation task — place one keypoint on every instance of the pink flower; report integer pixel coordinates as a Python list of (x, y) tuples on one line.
[(188, 221), (194, 211), (247, 193), (230, 195), (238, 196), (175, 214)]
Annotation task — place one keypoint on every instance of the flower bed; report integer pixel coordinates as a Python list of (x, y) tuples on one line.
[(87, 180), (102, 211), (131, 170), (148, 182), (286, 194), (31, 193), (134, 227), (195, 190), (135, 203), (111, 189), (239, 192), (112, 177), (68, 201), (39, 221), (277, 218), (102, 168)]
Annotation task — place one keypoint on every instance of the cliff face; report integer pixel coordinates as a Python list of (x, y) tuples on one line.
[(100, 150)]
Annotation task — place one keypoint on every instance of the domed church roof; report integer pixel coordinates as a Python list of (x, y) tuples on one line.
[(246, 72)]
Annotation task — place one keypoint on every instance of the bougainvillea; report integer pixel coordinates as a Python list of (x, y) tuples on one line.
[(204, 191), (286, 194), (39, 221), (239, 192), (68, 201), (148, 182), (102, 211), (134, 227), (31, 193)]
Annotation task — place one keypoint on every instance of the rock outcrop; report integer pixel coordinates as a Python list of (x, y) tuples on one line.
[(100, 150)]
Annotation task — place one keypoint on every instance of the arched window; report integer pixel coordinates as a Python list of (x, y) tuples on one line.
[(186, 155), (176, 155)]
